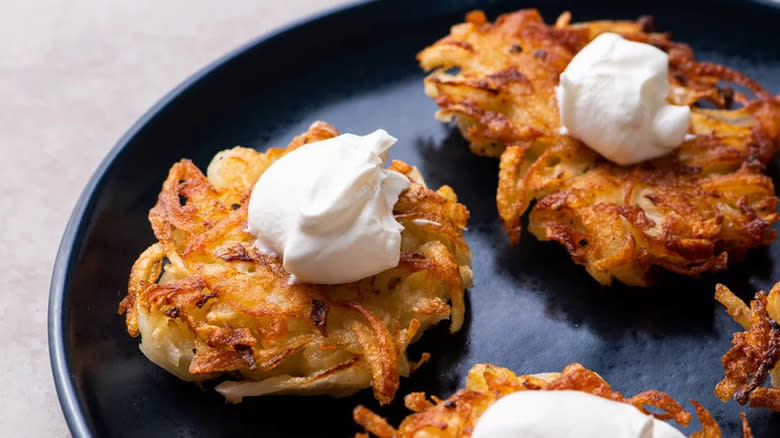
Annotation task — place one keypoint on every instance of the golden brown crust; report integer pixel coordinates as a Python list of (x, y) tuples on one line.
[(204, 287), (691, 212), (756, 351), (457, 416), (746, 432)]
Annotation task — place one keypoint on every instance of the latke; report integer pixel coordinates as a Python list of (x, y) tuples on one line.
[(457, 416), (755, 355), (207, 304), (690, 212)]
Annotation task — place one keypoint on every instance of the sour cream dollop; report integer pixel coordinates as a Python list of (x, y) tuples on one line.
[(326, 209), (567, 414), (612, 96)]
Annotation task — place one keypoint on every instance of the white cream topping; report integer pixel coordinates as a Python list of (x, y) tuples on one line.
[(612, 96), (567, 414), (326, 209)]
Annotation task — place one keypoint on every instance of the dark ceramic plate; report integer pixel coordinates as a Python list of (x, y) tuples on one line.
[(531, 308)]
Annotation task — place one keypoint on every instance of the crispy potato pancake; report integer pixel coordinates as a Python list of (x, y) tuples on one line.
[(208, 304), (690, 212), (756, 351), (457, 416)]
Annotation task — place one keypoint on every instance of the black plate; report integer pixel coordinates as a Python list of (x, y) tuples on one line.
[(531, 308)]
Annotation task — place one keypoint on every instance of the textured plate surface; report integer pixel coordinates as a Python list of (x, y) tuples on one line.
[(531, 309)]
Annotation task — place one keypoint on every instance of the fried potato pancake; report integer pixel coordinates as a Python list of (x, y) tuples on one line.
[(756, 351), (690, 212), (457, 416), (208, 304)]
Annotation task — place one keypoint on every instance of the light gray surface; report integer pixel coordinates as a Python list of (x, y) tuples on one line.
[(73, 77)]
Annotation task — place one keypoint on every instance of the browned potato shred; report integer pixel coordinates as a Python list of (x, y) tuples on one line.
[(691, 212), (207, 303), (756, 351), (457, 416)]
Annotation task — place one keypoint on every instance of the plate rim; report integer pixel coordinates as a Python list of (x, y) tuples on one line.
[(71, 244)]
